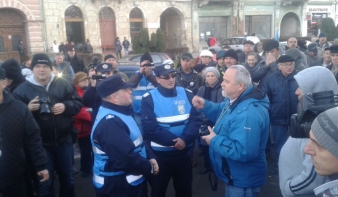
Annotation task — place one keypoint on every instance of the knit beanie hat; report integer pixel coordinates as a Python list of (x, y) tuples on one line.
[(199, 67), (206, 53), (322, 34), (108, 57), (325, 130), (79, 76), (211, 69), (41, 58), (231, 53), (146, 56), (12, 68), (220, 54)]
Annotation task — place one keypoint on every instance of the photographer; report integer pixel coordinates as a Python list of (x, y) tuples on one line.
[(323, 148), (91, 98), (53, 103), (297, 176)]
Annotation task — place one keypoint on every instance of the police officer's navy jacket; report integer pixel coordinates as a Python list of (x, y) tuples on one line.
[(237, 152), (143, 87), (92, 99), (168, 114), (118, 146)]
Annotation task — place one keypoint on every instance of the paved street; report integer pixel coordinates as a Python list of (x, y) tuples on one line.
[(201, 185)]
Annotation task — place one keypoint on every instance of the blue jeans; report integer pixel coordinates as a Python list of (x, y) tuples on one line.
[(232, 191), (60, 159), (280, 135)]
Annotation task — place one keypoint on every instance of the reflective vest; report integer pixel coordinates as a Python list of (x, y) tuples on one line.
[(101, 158), (171, 113), (143, 87)]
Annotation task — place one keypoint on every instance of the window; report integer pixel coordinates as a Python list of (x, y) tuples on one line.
[(259, 25), (216, 26)]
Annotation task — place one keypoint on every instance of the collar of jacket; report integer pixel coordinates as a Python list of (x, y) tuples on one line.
[(179, 71), (250, 92), (167, 92), (7, 98)]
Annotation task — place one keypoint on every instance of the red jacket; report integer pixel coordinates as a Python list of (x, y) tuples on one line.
[(212, 41), (83, 120)]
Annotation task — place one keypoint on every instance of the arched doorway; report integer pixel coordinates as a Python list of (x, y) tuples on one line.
[(12, 31), (136, 22), (290, 25), (172, 24), (107, 29), (74, 25)]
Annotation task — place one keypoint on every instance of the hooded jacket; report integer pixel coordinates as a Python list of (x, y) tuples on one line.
[(237, 152), (297, 176), (296, 54), (54, 128), (19, 134)]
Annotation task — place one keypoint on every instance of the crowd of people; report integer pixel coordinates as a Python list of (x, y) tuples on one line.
[(143, 129)]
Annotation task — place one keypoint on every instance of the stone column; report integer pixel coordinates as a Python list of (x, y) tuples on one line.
[(241, 18), (194, 27), (234, 30), (277, 20), (304, 20)]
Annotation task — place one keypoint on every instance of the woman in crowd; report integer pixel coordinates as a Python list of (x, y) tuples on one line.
[(211, 91)]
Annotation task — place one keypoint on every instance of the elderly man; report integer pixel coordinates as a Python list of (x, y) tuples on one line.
[(111, 59), (53, 103), (18, 132), (248, 47), (297, 176), (75, 61), (238, 139), (121, 160), (323, 148), (280, 88), (171, 125), (186, 76), (63, 68)]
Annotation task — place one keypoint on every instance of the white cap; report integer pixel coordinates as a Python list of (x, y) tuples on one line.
[(168, 62), (206, 53)]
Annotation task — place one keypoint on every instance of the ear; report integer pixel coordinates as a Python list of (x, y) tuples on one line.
[(158, 80)]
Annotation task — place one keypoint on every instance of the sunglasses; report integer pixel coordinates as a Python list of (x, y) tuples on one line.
[(167, 77)]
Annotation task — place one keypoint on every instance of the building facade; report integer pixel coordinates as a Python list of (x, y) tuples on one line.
[(186, 23)]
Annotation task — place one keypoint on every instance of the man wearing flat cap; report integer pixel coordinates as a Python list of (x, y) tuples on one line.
[(280, 87), (144, 80), (321, 42), (171, 125), (334, 58), (248, 47), (323, 148), (53, 103), (91, 97), (122, 160)]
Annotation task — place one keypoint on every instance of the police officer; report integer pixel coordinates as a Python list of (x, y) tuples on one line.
[(171, 124), (144, 81), (91, 98), (122, 161)]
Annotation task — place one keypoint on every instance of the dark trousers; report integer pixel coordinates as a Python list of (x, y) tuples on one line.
[(60, 160), (18, 189), (280, 135), (118, 53), (207, 162), (86, 161), (117, 186), (180, 170)]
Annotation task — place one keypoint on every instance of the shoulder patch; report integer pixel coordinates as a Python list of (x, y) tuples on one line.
[(188, 90), (109, 116), (146, 94)]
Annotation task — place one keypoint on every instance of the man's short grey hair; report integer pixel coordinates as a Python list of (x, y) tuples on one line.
[(242, 75), (59, 54)]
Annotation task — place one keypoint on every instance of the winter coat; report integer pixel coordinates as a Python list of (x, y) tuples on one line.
[(283, 100), (83, 120), (19, 135), (237, 152), (195, 81), (54, 128)]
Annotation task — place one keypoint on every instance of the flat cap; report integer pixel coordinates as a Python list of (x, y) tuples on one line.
[(334, 48), (271, 44), (285, 58)]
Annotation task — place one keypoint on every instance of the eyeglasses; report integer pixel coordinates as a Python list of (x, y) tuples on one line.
[(288, 65), (167, 77)]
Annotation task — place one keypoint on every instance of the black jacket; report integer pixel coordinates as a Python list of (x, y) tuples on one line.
[(18, 133), (54, 128), (76, 62), (92, 99), (283, 100), (195, 81)]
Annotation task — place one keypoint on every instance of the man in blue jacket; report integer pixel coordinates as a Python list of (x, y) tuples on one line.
[(171, 124), (121, 159), (280, 87), (238, 139)]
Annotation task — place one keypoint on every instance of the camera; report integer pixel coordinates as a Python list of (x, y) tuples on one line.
[(203, 130), (98, 77), (309, 107), (45, 107)]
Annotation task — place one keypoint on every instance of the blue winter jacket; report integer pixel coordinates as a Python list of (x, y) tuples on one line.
[(283, 100), (237, 151)]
